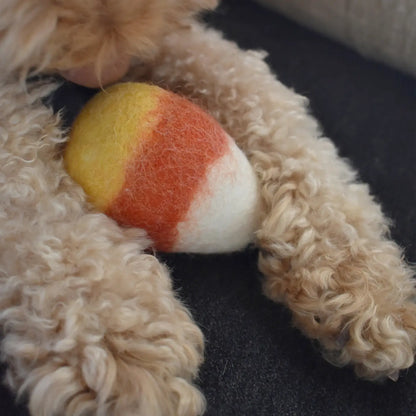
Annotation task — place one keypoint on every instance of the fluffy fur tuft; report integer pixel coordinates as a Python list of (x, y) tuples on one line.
[(59, 35)]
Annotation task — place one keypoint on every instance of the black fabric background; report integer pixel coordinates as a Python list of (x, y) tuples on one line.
[(256, 363)]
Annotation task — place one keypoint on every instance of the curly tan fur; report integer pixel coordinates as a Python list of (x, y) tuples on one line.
[(55, 35), (91, 325)]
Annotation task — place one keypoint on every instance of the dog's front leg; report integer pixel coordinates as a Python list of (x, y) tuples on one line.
[(90, 322), (323, 241)]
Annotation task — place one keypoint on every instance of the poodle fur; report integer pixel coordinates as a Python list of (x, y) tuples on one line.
[(90, 322)]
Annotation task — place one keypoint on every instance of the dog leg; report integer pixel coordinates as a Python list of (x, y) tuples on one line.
[(90, 322), (324, 248)]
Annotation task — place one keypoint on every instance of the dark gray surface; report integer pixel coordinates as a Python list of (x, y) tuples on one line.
[(256, 363)]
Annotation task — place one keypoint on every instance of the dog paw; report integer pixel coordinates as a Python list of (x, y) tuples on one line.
[(122, 373), (361, 310), (110, 385), (378, 343), (109, 338)]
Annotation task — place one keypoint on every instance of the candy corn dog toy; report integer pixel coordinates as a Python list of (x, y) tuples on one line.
[(151, 159)]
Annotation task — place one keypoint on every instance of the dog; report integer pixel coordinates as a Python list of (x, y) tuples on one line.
[(90, 321)]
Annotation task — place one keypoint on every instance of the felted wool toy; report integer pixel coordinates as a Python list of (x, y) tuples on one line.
[(149, 158)]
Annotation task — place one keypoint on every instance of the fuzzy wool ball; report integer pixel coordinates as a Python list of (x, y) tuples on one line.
[(149, 158)]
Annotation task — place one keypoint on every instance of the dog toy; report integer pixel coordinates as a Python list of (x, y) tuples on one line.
[(149, 158)]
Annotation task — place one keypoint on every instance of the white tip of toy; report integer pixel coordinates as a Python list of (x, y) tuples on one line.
[(224, 214)]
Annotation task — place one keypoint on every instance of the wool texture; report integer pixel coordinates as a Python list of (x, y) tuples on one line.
[(151, 159)]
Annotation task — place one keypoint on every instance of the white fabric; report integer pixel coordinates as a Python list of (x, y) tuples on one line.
[(381, 29)]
